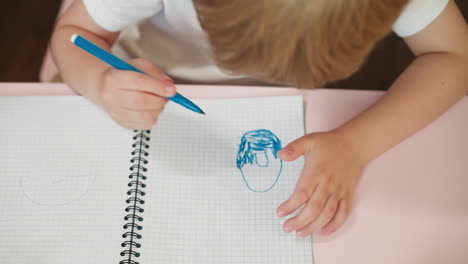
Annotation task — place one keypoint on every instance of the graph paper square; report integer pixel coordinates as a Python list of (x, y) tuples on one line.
[(64, 173), (64, 167), (199, 208)]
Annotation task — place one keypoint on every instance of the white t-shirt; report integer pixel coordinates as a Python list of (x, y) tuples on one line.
[(183, 49)]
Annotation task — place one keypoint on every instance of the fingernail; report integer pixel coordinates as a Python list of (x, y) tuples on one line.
[(288, 229), (170, 88), (281, 213), (287, 150), (301, 233)]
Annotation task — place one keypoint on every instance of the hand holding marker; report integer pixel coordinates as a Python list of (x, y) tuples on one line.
[(119, 64)]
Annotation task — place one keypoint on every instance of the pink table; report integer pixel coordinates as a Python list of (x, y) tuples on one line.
[(412, 203)]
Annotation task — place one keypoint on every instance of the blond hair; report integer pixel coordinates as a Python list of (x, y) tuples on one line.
[(304, 43)]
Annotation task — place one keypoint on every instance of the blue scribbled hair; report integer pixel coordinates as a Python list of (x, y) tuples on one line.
[(256, 140)]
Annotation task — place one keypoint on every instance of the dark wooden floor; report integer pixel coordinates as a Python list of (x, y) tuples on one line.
[(26, 25)]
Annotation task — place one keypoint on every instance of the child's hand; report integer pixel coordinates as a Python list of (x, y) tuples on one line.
[(331, 171), (132, 99)]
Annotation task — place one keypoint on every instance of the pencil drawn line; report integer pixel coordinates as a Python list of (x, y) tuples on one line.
[(39, 190), (254, 151)]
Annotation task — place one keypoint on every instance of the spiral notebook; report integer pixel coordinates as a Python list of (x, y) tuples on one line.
[(77, 188)]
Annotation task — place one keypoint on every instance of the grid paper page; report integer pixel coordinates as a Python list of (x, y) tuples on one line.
[(64, 169), (199, 208)]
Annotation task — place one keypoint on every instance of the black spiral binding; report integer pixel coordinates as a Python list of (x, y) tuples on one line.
[(135, 201)]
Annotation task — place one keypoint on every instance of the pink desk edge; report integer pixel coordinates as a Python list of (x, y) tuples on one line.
[(411, 205)]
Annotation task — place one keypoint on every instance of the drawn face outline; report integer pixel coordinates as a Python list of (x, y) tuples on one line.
[(257, 156), (37, 188)]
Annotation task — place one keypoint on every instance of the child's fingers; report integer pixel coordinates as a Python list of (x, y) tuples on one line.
[(304, 189), (312, 209), (133, 125), (140, 101), (323, 219), (136, 81), (136, 119), (149, 68), (294, 149), (122, 120), (340, 217)]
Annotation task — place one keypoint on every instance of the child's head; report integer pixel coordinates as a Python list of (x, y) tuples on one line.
[(304, 43)]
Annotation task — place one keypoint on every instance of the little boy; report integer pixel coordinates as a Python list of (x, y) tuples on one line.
[(303, 43)]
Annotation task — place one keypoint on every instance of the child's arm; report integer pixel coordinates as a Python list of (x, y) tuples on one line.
[(134, 100), (435, 81)]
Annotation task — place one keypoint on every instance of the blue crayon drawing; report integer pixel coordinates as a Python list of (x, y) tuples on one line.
[(258, 161)]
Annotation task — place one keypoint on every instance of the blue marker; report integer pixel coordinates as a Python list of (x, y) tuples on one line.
[(122, 65)]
